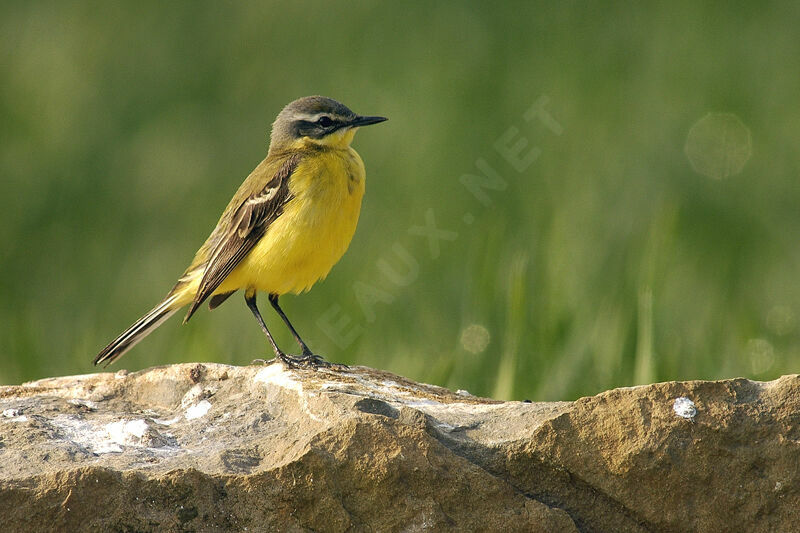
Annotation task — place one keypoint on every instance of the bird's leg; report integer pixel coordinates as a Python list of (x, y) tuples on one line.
[(273, 299), (308, 356), (250, 299), (313, 361)]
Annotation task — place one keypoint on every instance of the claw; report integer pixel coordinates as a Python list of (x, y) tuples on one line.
[(308, 361), (314, 361)]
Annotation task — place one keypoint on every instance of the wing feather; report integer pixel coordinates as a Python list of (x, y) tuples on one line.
[(249, 222)]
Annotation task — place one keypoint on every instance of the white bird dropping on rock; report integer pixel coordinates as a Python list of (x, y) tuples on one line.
[(684, 408), (198, 410)]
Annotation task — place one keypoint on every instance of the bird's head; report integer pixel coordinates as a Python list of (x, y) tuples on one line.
[(316, 121)]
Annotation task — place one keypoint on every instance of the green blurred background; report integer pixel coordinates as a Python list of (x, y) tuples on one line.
[(607, 261)]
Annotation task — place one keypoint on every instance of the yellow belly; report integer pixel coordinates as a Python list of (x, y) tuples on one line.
[(302, 244)]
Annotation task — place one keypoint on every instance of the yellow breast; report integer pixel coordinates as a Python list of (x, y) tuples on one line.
[(315, 229)]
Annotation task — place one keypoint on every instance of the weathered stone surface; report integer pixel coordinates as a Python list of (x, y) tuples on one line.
[(210, 447)]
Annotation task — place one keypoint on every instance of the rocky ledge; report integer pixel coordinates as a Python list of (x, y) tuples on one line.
[(208, 447)]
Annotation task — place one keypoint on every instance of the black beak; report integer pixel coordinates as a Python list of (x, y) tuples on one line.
[(366, 121)]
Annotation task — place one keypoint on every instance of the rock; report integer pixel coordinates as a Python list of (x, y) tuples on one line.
[(208, 447)]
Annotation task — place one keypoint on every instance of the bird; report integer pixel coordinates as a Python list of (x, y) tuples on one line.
[(286, 226)]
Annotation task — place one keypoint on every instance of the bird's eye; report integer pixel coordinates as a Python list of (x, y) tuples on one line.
[(325, 121)]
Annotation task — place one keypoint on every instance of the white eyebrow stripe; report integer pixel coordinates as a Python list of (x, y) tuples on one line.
[(310, 118)]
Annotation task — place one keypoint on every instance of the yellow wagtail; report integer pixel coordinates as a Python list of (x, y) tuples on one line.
[(287, 225)]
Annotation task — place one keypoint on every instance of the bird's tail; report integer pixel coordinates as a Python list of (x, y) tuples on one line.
[(140, 329)]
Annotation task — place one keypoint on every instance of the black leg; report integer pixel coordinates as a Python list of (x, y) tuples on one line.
[(273, 299), (307, 360), (250, 298)]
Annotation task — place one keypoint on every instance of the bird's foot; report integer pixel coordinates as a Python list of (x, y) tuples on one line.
[(310, 359), (307, 360)]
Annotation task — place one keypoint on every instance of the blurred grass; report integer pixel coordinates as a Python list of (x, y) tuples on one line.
[(125, 128)]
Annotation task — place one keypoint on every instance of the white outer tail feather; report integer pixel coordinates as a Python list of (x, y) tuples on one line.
[(138, 330)]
